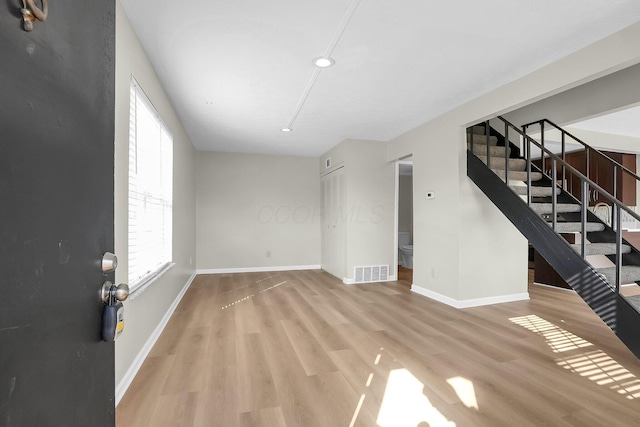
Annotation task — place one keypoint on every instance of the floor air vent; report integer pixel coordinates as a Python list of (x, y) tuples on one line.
[(371, 273)]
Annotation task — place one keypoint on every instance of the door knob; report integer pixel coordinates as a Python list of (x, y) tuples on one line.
[(109, 292), (109, 262), (121, 292)]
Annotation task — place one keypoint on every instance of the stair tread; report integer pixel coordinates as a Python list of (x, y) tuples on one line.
[(542, 208), (628, 274), (477, 130), (536, 191), (498, 163), (482, 140), (575, 227), (494, 150), (600, 248), (518, 175)]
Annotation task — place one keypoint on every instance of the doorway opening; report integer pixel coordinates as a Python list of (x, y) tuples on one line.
[(403, 247)]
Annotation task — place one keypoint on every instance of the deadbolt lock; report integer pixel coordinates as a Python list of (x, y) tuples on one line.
[(109, 262)]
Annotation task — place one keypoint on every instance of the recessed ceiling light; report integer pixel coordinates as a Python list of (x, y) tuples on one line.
[(323, 62), (286, 129)]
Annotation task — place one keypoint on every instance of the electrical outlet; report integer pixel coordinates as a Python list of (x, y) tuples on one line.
[(190, 260), (268, 253), (433, 272)]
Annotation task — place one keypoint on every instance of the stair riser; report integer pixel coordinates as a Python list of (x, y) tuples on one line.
[(494, 151), (576, 227), (517, 175), (482, 140), (547, 208), (600, 248), (629, 274), (499, 163), (478, 130), (536, 191)]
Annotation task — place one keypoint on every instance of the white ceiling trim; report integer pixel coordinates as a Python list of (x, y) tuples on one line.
[(337, 35)]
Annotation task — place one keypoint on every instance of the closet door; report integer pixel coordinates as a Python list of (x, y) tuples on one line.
[(334, 223)]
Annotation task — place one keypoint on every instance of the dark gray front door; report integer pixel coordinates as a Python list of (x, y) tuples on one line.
[(56, 214)]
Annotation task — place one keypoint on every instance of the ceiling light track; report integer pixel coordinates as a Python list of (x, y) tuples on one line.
[(337, 35), (344, 23), (303, 98)]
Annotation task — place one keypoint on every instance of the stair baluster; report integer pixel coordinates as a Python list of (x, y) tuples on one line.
[(554, 201), (616, 217), (506, 153), (543, 150), (487, 132), (583, 219), (564, 159), (618, 249), (528, 145)]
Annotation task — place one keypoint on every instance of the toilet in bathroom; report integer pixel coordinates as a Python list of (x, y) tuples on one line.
[(406, 249)]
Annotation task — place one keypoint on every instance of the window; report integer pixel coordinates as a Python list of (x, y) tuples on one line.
[(150, 191)]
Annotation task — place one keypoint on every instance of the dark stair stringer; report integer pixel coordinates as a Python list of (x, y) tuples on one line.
[(612, 308)]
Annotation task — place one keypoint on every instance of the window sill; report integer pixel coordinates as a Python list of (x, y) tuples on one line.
[(143, 284)]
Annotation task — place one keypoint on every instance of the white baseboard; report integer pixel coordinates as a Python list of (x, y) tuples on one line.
[(126, 381), (467, 303), (544, 285), (257, 269)]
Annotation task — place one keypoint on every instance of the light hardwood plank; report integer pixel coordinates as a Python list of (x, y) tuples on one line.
[(175, 411), (256, 389), (300, 348)]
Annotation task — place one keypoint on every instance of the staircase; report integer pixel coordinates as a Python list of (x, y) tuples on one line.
[(536, 203)]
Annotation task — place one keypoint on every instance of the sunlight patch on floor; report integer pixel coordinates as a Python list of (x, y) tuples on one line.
[(465, 391), (357, 411), (404, 403), (231, 304), (558, 339), (364, 395), (595, 365), (600, 368)]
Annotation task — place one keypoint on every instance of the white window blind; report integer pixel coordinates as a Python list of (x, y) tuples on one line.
[(150, 191)]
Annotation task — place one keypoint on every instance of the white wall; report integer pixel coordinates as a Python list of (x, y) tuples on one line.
[(464, 248), (369, 203), (371, 191), (605, 94), (144, 313), (248, 205)]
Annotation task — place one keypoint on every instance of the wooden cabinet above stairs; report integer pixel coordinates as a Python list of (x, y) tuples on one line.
[(601, 172)]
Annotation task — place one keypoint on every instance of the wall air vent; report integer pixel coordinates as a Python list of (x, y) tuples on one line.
[(367, 274), (371, 274), (384, 273)]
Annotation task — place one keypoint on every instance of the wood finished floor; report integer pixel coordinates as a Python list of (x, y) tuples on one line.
[(302, 349)]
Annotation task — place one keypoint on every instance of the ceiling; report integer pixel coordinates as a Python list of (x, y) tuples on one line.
[(238, 71)]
